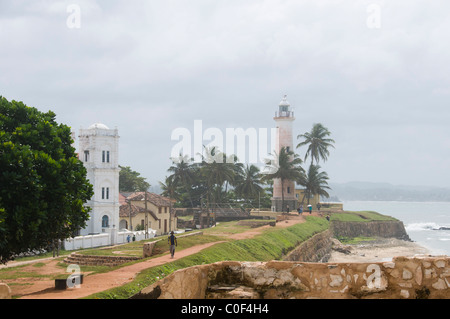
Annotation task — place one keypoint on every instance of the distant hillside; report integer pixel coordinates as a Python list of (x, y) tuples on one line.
[(366, 191)]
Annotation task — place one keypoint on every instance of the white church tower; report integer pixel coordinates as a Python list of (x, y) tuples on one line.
[(99, 151)]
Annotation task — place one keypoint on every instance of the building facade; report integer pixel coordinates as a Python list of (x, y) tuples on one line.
[(99, 152), (284, 119), (145, 208)]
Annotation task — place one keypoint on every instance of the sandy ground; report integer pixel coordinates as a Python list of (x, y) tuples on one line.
[(377, 251)]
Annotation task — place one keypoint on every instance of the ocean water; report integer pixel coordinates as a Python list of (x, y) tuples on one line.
[(423, 220)]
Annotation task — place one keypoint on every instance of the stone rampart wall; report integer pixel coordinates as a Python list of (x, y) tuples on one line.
[(402, 278), (391, 229), (315, 249)]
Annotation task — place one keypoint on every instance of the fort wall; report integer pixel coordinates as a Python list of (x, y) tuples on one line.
[(402, 278)]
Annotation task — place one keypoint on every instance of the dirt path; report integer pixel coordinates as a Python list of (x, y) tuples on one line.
[(100, 282), (45, 289)]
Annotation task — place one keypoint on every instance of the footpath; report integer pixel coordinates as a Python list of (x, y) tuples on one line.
[(45, 289)]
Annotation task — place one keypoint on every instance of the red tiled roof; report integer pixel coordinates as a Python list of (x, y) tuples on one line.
[(122, 199), (126, 209), (156, 199)]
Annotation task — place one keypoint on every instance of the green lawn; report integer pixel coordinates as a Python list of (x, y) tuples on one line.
[(362, 216)]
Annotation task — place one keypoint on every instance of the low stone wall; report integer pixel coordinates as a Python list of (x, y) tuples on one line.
[(148, 249), (387, 229), (5, 291), (408, 278), (96, 260), (315, 249)]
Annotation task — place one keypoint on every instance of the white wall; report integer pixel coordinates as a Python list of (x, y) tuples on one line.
[(101, 240)]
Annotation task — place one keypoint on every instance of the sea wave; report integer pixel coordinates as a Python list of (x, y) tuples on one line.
[(426, 226)]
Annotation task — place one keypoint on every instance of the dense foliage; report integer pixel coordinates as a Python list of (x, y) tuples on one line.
[(220, 179), (43, 184), (131, 181)]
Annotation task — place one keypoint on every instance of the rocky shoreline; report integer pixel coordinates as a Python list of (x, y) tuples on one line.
[(383, 249)]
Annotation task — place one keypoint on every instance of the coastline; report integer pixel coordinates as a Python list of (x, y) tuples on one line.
[(380, 250), (422, 220)]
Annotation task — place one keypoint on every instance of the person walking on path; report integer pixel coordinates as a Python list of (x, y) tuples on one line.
[(172, 241), (310, 209)]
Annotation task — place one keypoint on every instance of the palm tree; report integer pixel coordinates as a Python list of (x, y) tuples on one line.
[(315, 183), (318, 143), (248, 184), (170, 189), (233, 164), (286, 167), (182, 174), (216, 174)]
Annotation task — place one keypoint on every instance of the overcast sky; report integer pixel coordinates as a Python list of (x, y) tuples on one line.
[(375, 73)]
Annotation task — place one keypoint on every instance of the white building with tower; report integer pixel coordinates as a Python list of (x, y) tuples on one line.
[(99, 152), (284, 119)]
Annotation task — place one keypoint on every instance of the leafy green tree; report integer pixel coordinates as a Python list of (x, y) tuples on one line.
[(286, 168), (131, 181), (43, 184), (318, 142)]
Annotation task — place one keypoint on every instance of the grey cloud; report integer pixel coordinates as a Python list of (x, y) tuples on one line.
[(151, 66)]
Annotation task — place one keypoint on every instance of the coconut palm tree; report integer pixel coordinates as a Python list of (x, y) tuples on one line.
[(315, 183), (286, 168), (182, 174), (318, 143), (248, 185), (216, 173), (169, 188)]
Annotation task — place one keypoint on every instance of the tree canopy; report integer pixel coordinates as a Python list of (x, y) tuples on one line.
[(221, 179), (318, 142), (131, 181), (43, 184), (286, 167), (315, 183), (218, 179)]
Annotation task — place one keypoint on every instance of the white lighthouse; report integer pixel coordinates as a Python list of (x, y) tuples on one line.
[(284, 119), (99, 151)]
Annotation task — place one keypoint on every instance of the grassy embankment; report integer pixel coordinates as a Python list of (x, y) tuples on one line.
[(360, 216), (272, 244)]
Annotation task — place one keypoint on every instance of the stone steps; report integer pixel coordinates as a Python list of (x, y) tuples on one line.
[(89, 260)]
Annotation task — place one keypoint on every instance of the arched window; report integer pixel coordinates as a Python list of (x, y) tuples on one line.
[(105, 221)]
